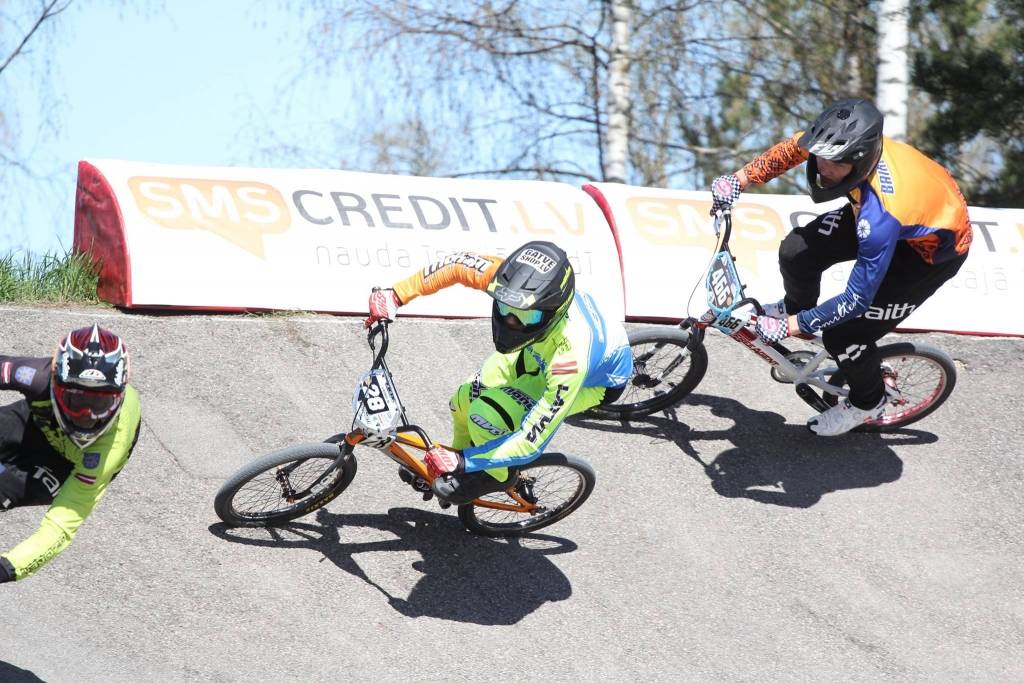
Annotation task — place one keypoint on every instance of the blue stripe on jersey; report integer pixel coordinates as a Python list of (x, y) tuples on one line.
[(877, 234), (475, 465), (606, 367)]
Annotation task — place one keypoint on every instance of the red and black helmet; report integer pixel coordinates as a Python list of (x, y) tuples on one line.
[(90, 373)]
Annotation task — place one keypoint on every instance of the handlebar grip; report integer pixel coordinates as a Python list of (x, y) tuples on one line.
[(379, 328), (753, 302)]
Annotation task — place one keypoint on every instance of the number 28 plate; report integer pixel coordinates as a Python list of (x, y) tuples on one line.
[(377, 410)]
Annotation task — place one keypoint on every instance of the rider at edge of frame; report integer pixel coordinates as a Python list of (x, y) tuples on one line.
[(67, 439), (556, 355), (906, 224)]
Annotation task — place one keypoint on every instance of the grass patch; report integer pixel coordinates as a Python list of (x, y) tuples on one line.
[(50, 278)]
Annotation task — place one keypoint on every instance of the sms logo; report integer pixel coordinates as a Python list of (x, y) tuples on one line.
[(241, 212), (666, 221)]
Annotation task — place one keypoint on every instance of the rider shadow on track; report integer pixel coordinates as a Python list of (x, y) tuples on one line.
[(774, 462), (466, 578), (12, 674)]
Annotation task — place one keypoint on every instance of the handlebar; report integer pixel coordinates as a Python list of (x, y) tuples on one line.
[(753, 302), (726, 216), (379, 328)]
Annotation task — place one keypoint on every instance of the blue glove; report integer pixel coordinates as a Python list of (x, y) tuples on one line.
[(725, 190)]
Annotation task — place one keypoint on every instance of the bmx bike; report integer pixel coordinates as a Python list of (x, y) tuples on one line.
[(294, 481), (669, 362)]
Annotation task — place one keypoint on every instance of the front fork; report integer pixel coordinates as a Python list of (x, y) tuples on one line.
[(696, 330)]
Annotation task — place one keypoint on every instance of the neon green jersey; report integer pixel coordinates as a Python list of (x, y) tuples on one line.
[(93, 469)]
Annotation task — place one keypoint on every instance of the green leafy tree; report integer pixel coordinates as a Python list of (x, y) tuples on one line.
[(970, 64)]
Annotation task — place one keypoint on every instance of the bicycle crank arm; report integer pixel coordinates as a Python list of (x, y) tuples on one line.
[(811, 397)]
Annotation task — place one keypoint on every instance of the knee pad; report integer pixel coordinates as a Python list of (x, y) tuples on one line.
[(496, 412)]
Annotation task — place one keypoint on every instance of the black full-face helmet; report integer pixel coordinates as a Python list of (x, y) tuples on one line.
[(849, 131), (532, 289), (90, 375)]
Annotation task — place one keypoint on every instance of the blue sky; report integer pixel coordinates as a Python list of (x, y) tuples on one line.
[(186, 82)]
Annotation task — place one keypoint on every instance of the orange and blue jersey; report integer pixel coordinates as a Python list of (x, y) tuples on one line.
[(908, 197)]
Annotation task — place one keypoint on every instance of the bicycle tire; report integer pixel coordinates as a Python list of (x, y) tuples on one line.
[(497, 523), (897, 415), (233, 511), (623, 408)]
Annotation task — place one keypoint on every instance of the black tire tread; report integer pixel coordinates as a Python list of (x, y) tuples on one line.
[(468, 517), (695, 373), (911, 349), (222, 502)]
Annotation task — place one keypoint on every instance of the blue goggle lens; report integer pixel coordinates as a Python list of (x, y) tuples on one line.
[(526, 317)]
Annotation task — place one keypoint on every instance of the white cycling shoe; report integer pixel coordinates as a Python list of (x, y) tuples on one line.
[(843, 417)]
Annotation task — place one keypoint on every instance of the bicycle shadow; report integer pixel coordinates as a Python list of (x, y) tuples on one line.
[(13, 674), (773, 462), (467, 578)]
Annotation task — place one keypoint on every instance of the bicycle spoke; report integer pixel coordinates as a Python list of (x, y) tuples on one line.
[(658, 369), (554, 489), (919, 381), (266, 494)]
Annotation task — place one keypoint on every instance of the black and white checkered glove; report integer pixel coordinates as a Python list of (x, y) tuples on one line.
[(725, 190), (771, 330)]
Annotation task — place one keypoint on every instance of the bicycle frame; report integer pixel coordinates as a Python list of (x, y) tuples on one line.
[(405, 436), (726, 292)]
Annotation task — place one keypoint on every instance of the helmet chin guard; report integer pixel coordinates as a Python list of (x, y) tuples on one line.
[(536, 276), (848, 131)]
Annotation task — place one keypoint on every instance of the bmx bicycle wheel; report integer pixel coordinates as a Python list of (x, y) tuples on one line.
[(918, 377), (285, 484), (664, 372), (556, 482)]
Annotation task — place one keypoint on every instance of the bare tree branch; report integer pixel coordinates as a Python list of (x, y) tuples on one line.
[(50, 10)]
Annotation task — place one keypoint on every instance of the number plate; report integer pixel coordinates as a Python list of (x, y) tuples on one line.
[(723, 284), (377, 409)]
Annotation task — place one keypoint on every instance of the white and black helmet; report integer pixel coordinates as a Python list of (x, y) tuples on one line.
[(849, 131)]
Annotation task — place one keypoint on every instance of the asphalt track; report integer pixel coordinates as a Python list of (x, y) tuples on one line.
[(723, 542)]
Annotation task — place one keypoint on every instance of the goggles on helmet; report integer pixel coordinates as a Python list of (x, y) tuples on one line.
[(525, 316), (84, 408)]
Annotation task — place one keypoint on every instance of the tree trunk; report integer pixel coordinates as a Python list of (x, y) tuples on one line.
[(893, 71), (617, 134)]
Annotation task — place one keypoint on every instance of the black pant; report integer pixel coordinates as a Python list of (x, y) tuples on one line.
[(31, 471), (830, 239)]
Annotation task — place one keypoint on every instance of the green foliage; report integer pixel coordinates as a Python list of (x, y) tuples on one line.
[(971, 65), (50, 278), (779, 62)]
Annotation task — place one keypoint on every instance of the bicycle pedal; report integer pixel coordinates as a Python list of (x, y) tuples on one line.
[(428, 495)]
